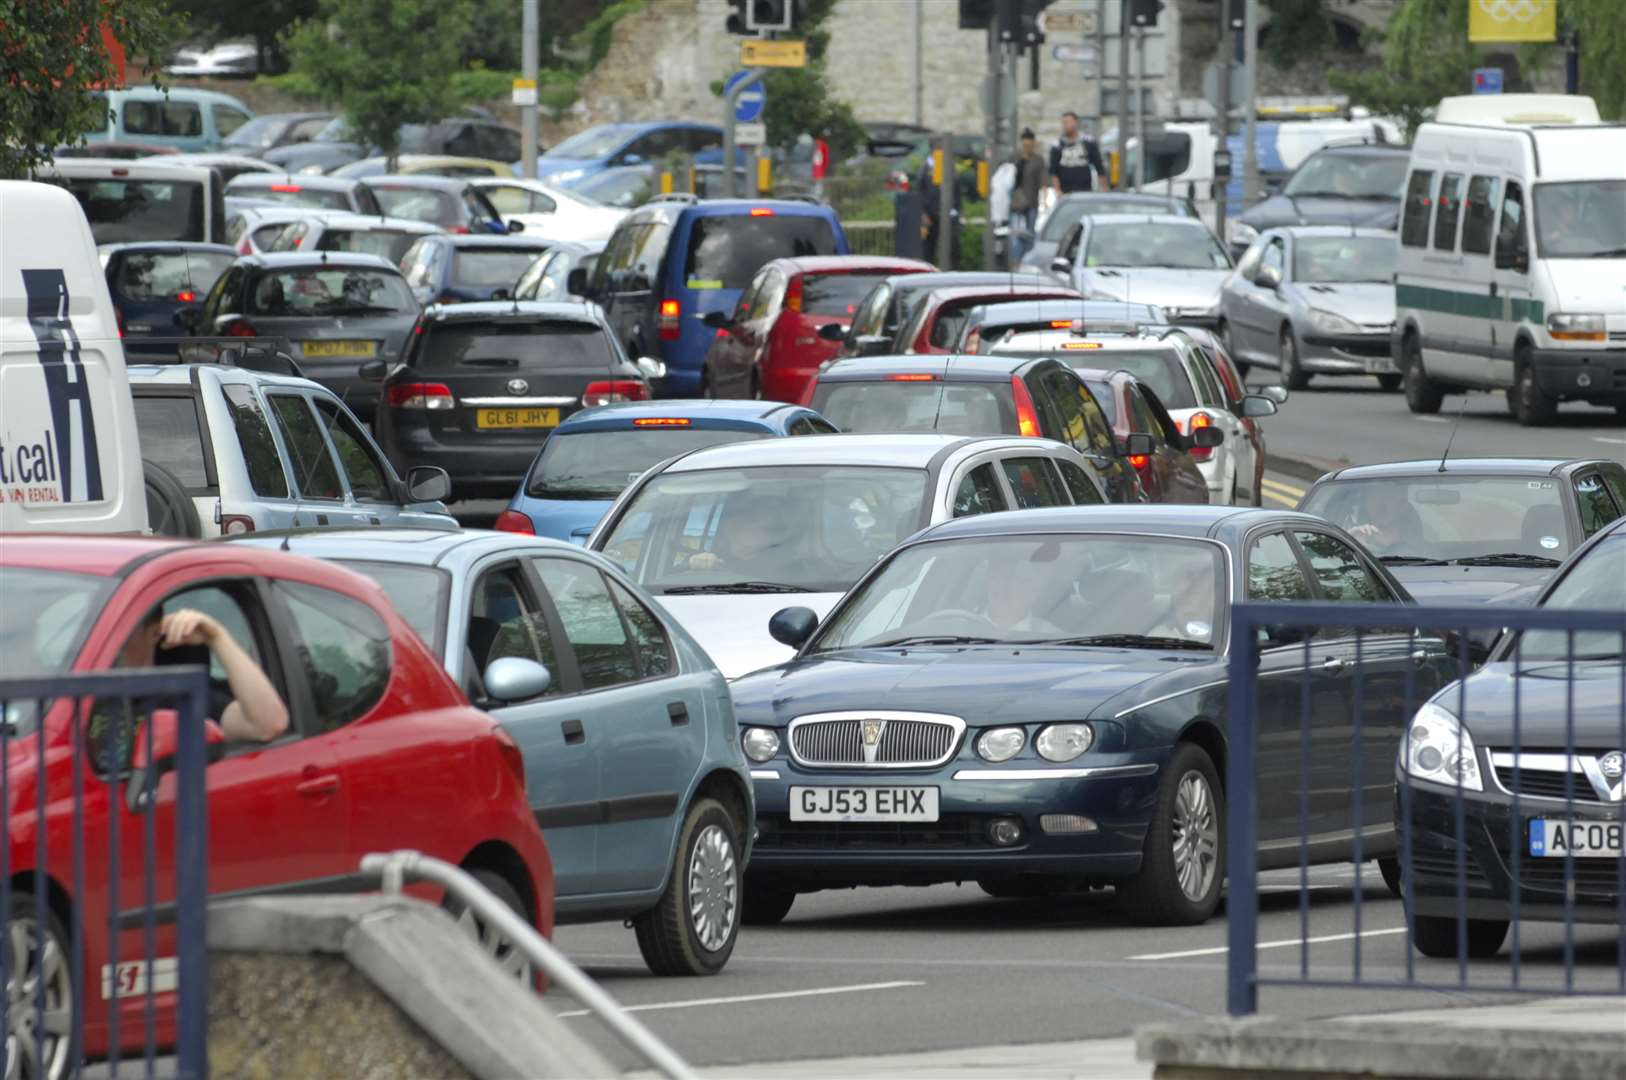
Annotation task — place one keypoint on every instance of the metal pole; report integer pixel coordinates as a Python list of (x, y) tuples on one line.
[(1250, 75), (1222, 122), (1100, 66), (1123, 88), (530, 28), (730, 100), (991, 127), (920, 62), (1140, 110), (945, 203)]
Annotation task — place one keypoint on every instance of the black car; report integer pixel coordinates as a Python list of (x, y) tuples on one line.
[(980, 395), (471, 135), (1534, 803), (888, 305), (1336, 185), (482, 385), (316, 192), (152, 283), (268, 131), (1037, 701)]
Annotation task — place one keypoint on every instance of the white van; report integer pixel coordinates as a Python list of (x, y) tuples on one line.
[(132, 201), (1512, 267), (69, 457)]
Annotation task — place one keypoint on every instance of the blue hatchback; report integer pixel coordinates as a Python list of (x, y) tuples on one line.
[(152, 283), (591, 457)]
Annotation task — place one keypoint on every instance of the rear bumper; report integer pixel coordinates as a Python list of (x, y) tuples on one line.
[(1582, 374), (493, 471)]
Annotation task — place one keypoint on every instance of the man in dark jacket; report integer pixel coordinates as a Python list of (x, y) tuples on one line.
[(930, 205), (1073, 159), (1032, 177)]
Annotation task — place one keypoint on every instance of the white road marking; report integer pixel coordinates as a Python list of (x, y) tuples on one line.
[(695, 1003), (1436, 419), (1607, 439), (1270, 944)]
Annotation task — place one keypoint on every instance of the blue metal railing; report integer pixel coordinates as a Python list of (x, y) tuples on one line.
[(1457, 882), (77, 772)]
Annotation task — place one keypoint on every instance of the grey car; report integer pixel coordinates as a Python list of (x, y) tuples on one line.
[(633, 762), (339, 311), (1171, 261), (1314, 299), (310, 192), (230, 451), (1056, 226)]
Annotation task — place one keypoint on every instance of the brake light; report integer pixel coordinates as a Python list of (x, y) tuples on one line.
[(240, 328), (1200, 420), (661, 421), (761, 211), (460, 230), (186, 296), (793, 295), (436, 397), (236, 525), (606, 393), (1081, 344), (671, 320), (119, 314), (287, 188), (1027, 417), (911, 376), (515, 522), (1061, 324), (245, 248), (1138, 460)]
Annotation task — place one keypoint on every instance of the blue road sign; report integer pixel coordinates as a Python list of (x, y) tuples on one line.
[(748, 109), (1487, 80)]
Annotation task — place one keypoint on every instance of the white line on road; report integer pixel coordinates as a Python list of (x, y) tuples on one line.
[(1607, 439), (1436, 419), (1270, 944), (697, 1002)]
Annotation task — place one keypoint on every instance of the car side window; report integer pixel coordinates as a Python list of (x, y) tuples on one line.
[(1593, 501), (748, 297), (1207, 384), (1512, 242), (1339, 571), (345, 649), (260, 457), (616, 257), (503, 622), (1448, 212), (1034, 483), (649, 638), (871, 315), (1275, 256), (1479, 216), (222, 294), (768, 296), (592, 624), (646, 263), (228, 119), (1274, 572), (1079, 486), (978, 493), (511, 198), (290, 238), (316, 474), (809, 426), (1414, 221), (1095, 421), (369, 479), (1615, 480)]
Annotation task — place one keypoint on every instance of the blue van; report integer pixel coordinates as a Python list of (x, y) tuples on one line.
[(181, 116), (679, 258)]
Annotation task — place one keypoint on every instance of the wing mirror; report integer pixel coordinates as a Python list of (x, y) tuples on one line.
[(792, 626), (428, 483), (1139, 444), (515, 678), (515, 226), (1278, 394), (1258, 405), (157, 742), (373, 370), (832, 331), (651, 368), (187, 318), (717, 320), (576, 282), (1268, 276), (872, 345), (1209, 437), (1061, 265)]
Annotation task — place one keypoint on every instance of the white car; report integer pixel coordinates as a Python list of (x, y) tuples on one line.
[(252, 230), (1171, 261), (727, 536), (387, 237), (550, 212)]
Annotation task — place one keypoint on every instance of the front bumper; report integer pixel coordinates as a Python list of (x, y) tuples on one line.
[(1115, 791), (1348, 354), (1489, 832), (1597, 375), (1208, 320)]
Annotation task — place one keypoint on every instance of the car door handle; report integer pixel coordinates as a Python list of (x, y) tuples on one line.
[(679, 712), (573, 732), (318, 785), (1332, 665)]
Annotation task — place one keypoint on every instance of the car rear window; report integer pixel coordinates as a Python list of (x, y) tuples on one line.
[(1104, 397), (724, 252), (183, 276), (387, 244), (557, 343), (600, 464), (298, 195), (323, 290), (491, 267), (953, 408), (836, 294), (419, 204), (168, 430), (1161, 371), (124, 211)]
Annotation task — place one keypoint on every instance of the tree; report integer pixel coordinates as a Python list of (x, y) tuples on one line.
[(388, 62), (1299, 29), (799, 99), (51, 53), (1603, 51), (1426, 56)]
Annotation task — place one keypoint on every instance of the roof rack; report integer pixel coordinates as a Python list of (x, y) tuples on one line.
[(268, 355)]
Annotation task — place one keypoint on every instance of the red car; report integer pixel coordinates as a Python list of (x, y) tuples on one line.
[(939, 317), (772, 345), (381, 751), (1169, 474)]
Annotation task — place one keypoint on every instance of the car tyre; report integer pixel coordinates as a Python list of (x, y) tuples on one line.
[(1530, 404), (1389, 867), (1423, 394), (693, 929), (1294, 377), (1389, 381), (59, 1050), (766, 905), (170, 510), (505, 954), (1436, 936), (1183, 864), (1242, 366)]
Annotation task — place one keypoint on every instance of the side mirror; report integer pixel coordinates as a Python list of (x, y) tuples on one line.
[(428, 483), (651, 368), (1139, 443), (832, 331), (1209, 437), (514, 678), (1061, 265), (1283, 635), (1268, 276), (187, 318), (501, 294), (147, 765), (872, 345), (1278, 394), (792, 626), (717, 320), (223, 322), (374, 370), (515, 226), (576, 282), (1258, 405)]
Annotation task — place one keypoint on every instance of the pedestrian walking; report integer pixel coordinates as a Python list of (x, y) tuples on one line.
[(1074, 158), (930, 204), (1032, 177)]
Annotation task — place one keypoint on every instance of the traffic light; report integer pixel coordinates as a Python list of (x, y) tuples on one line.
[(759, 16), (976, 14), (1019, 22), (1143, 12)]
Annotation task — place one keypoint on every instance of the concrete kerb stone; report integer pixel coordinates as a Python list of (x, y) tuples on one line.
[(1301, 466)]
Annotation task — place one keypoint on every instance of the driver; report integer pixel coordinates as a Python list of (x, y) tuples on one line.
[(751, 542), (1190, 614), (1389, 523), (256, 713), (1013, 590)]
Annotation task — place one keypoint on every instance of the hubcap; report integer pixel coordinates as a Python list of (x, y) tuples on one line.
[(31, 1050), (714, 888), (1196, 836), (494, 945)]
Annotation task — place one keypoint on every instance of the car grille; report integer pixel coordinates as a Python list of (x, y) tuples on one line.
[(1380, 347), (1444, 865), (1594, 878), (1544, 784), (874, 741), (1542, 775), (953, 832)]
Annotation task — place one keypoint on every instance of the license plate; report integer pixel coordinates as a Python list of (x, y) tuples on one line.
[(863, 804), (1380, 365), (339, 348), (516, 418), (1552, 838)]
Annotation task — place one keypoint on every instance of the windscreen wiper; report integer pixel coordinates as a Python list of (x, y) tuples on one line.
[(932, 639), (1128, 641), (738, 587), (1506, 558), (1410, 560)]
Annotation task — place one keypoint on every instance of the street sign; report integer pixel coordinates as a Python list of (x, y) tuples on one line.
[(1067, 22), (759, 52), (750, 134), (524, 92), (1487, 80), (749, 105), (1074, 53)]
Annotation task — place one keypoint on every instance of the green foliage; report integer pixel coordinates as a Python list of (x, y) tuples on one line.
[(388, 62), (1298, 30), (1602, 32), (798, 98), (51, 52), (598, 34), (1426, 56)]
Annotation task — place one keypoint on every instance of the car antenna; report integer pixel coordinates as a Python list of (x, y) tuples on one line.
[(1453, 436), (284, 545)]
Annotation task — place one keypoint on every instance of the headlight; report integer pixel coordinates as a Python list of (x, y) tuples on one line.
[(1576, 327), (1001, 743), (760, 743), (1242, 233), (1064, 742), (1331, 323), (1439, 749)]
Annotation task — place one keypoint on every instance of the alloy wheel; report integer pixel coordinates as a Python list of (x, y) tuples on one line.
[(507, 955), (33, 1051), (1196, 836), (714, 888)]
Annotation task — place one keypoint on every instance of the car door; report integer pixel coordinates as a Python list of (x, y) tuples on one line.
[(648, 716), (1510, 303), (975, 489), (1235, 297), (375, 493), (1178, 476), (1261, 316), (268, 469), (729, 358), (1593, 501), (318, 492)]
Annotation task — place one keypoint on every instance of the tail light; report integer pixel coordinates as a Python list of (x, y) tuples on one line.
[(671, 320), (1199, 420), (761, 211), (793, 294), (515, 522), (436, 397), (460, 230), (246, 247), (241, 328), (509, 753), (606, 393), (186, 296), (119, 314), (1027, 417), (236, 525), (289, 189), (1139, 461)]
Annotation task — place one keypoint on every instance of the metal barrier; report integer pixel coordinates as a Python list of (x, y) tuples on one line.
[(395, 868), (102, 903), (1330, 720)]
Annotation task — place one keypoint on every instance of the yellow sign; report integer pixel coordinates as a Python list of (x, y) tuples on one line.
[(487, 419), (757, 52), (524, 92), (1512, 20), (339, 348)]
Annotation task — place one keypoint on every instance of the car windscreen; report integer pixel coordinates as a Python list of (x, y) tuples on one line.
[(1581, 220), (1596, 583), (387, 244), (419, 593), (1154, 244), (330, 290), (258, 134), (1349, 176), (45, 617), (804, 528), (836, 295), (968, 408), (1449, 517), (491, 267), (167, 428), (1344, 259), (1023, 588), (595, 142), (419, 204), (497, 346), (128, 210), (1069, 211), (600, 464), (297, 194), (726, 251), (179, 276), (1160, 369)]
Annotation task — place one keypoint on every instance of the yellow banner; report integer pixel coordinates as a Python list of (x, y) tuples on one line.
[(1512, 20)]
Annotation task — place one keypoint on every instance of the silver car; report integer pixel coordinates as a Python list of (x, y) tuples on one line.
[(1173, 262), (1314, 299), (1055, 228)]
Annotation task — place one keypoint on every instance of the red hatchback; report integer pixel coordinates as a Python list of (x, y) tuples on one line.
[(935, 326), (772, 345), (379, 750)]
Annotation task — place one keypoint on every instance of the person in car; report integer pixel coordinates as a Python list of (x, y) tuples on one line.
[(1190, 613), (750, 543), (1016, 594), (256, 713), (1389, 523)]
